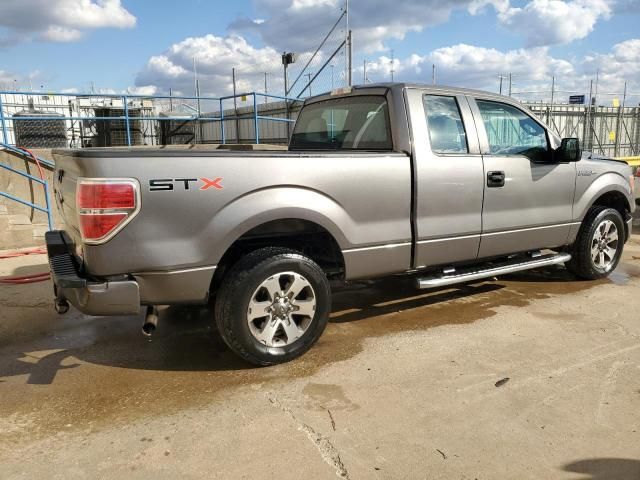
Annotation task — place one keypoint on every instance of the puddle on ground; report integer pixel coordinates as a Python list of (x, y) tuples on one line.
[(103, 372)]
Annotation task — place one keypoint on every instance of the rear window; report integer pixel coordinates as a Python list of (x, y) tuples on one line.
[(350, 123)]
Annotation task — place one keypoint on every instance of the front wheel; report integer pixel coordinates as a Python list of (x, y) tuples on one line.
[(599, 245), (273, 305)]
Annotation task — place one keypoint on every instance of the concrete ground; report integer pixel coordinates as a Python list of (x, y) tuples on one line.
[(532, 376)]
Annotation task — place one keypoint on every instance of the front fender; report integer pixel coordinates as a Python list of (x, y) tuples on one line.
[(605, 183)]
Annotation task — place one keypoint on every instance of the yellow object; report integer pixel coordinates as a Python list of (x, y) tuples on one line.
[(612, 136), (633, 161), (616, 102), (243, 98)]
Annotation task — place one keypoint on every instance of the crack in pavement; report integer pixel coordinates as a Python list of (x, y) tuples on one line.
[(328, 452)]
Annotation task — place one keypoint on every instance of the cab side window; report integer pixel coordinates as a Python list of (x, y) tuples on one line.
[(510, 131), (446, 130)]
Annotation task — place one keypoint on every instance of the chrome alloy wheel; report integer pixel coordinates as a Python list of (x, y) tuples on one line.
[(604, 245), (281, 309)]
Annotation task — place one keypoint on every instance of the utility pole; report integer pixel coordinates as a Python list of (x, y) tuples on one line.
[(553, 91), (364, 72), (501, 77), (199, 111), (332, 84), (350, 70), (392, 65), (433, 74), (309, 75), (510, 83), (596, 92), (587, 124), (616, 148), (195, 77), (266, 90), (348, 46)]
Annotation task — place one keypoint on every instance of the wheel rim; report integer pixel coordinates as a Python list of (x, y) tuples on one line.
[(604, 245), (281, 309)]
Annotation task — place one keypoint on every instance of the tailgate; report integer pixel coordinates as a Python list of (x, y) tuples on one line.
[(65, 181)]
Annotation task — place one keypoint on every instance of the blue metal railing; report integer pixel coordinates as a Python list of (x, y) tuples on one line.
[(5, 143), (46, 209), (257, 118)]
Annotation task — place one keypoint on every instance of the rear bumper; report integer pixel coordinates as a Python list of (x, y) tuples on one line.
[(90, 296)]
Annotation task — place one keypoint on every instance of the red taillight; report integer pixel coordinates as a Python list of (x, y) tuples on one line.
[(106, 195), (94, 226), (104, 207)]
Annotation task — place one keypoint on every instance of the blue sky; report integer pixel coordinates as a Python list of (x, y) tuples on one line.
[(148, 46)]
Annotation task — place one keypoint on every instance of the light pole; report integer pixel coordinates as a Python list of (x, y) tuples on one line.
[(287, 59)]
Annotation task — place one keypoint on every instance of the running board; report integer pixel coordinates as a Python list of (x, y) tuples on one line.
[(492, 270)]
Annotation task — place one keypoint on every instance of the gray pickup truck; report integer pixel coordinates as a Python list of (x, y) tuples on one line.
[(448, 185)]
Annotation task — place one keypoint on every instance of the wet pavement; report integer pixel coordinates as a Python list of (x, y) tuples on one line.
[(403, 384)]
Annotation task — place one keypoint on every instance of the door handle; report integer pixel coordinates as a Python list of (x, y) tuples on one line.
[(495, 179)]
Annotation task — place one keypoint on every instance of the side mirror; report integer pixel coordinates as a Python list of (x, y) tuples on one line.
[(569, 150)]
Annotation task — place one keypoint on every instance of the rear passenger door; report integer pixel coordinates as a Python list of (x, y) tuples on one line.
[(448, 174), (528, 198)]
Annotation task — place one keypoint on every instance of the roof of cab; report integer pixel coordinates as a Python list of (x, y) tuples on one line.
[(404, 85)]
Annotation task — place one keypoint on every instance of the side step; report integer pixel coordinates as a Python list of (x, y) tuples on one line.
[(491, 270)]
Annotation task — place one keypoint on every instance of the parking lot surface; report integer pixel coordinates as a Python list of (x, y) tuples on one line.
[(533, 375)]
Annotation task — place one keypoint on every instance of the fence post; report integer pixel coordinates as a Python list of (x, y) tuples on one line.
[(222, 131), (255, 117), (5, 135), (126, 120), (48, 205)]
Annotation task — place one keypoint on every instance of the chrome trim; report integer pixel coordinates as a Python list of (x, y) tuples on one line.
[(517, 230), (176, 272), (442, 239), (106, 211), (376, 247), (433, 282)]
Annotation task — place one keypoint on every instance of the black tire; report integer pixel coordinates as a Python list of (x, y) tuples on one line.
[(238, 288), (582, 264)]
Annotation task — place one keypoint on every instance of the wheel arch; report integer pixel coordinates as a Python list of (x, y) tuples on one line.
[(295, 218), (609, 190)]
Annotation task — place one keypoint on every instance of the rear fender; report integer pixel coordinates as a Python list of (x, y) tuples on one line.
[(262, 206)]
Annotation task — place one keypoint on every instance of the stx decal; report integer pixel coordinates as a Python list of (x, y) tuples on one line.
[(169, 184)]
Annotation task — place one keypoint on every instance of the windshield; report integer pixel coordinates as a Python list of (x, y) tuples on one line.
[(349, 123)]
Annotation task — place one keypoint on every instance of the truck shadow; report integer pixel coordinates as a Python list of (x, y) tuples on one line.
[(606, 468), (187, 339)]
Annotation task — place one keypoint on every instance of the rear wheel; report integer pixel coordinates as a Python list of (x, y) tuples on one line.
[(599, 245), (273, 305)]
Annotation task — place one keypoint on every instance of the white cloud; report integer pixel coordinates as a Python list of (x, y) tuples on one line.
[(614, 68), (61, 34), (551, 22), (215, 57), (471, 66), (373, 22), (59, 20), (532, 70)]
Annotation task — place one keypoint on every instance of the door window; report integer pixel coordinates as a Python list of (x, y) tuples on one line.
[(446, 130), (510, 131)]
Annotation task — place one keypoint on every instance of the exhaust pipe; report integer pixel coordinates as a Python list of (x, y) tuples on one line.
[(150, 321), (61, 305)]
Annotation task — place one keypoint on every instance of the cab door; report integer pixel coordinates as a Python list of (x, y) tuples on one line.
[(448, 178), (528, 198)]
